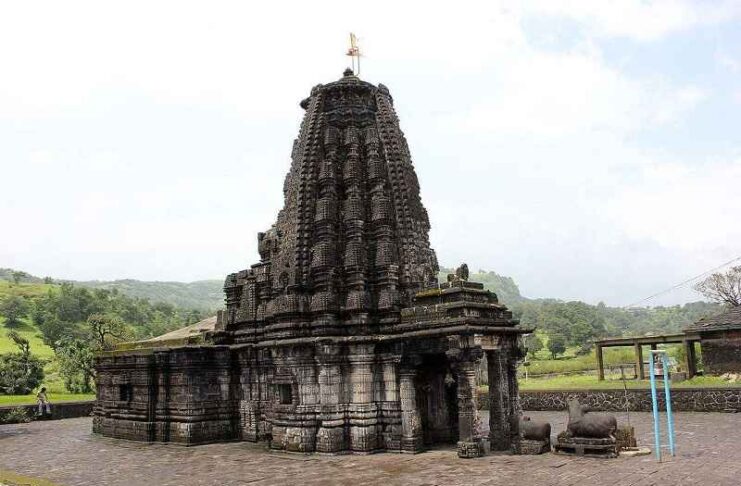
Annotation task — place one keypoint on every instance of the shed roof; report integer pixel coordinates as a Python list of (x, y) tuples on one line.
[(730, 319)]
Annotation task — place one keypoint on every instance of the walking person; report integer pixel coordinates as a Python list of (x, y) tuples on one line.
[(43, 402)]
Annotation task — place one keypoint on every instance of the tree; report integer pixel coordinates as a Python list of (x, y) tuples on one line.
[(20, 372), (76, 356), (17, 275), (14, 308), (556, 345), (106, 330), (724, 288), (76, 365), (22, 343), (55, 331), (533, 344)]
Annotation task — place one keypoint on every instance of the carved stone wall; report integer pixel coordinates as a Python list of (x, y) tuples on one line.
[(184, 395)]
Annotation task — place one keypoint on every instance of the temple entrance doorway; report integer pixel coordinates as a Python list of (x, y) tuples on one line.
[(437, 400)]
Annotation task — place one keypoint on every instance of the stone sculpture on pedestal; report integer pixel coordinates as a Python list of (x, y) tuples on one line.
[(591, 434), (535, 437)]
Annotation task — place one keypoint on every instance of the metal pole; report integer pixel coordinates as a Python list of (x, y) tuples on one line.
[(655, 405), (667, 394)]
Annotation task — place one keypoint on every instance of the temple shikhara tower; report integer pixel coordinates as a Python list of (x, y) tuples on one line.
[(340, 338)]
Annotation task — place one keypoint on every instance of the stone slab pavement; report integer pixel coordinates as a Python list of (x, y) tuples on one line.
[(66, 453)]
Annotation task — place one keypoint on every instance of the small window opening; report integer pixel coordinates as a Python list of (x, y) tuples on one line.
[(125, 392), (285, 394)]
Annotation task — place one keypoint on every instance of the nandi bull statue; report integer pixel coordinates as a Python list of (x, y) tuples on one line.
[(585, 424), (535, 437), (591, 434)]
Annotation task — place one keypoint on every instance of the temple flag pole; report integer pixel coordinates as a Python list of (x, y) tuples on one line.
[(354, 52)]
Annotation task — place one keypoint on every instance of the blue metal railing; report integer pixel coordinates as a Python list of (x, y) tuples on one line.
[(655, 402)]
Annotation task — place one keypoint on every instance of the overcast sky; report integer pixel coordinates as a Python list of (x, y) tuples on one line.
[(590, 150)]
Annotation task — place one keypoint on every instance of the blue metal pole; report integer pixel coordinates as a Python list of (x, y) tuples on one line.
[(655, 405), (668, 395)]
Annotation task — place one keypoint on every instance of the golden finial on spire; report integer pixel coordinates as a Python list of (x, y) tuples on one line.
[(354, 53)]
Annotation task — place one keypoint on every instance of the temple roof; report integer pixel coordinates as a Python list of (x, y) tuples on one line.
[(730, 319), (186, 333)]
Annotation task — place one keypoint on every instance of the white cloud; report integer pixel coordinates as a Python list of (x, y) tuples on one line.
[(688, 207), (639, 20), (555, 94)]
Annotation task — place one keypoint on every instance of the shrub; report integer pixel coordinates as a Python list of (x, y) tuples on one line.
[(20, 374)]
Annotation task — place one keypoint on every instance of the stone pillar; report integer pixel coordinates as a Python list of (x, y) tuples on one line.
[(411, 422), (330, 436), (600, 363), (390, 427), (390, 382), (363, 411), (640, 371), (503, 400), (470, 443), (690, 363)]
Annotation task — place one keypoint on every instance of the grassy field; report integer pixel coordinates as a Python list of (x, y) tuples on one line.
[(25, 289), (28, 331), (569, 362), (613, 382), (53, 398), (26, 328)]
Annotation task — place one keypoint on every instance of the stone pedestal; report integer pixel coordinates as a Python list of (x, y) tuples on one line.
[(582, 446), (534, 447)]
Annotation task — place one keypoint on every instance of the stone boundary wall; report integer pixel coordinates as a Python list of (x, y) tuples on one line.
[(683, 400), (61, 410)]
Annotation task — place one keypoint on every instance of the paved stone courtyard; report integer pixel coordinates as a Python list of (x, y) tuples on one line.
[(66, 453)]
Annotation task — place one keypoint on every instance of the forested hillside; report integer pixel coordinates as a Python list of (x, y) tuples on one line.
[(204, 295), (577, 323), (56, 328), (207, 295), (505, 287)]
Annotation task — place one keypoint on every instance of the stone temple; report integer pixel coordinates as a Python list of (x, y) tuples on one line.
[(340, 338)]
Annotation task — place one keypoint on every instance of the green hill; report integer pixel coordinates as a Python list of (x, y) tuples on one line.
[(26, 329), (207, 295), (505, 287)]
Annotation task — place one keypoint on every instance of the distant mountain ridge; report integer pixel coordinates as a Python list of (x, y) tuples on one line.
[(206, 295), (505, 287), (201, 294)]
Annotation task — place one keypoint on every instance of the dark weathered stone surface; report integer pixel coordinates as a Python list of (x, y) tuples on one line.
[(721, 351), (720, 338), (683, 399), (339, 339)]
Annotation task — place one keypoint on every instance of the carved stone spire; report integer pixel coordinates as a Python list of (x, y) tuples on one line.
[(350, 246)]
